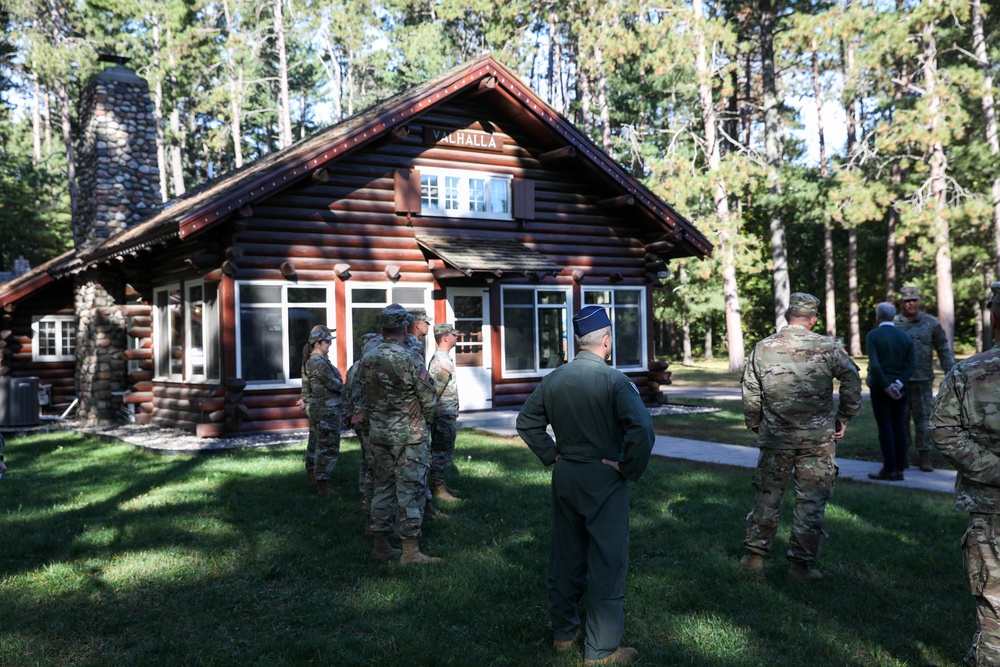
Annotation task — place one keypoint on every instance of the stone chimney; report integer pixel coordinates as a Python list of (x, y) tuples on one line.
[(119, 176), (119, 187)]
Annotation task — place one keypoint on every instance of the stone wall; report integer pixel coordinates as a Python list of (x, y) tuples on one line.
[(100, 344)]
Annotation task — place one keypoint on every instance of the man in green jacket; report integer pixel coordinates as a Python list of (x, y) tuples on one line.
[(965, 427), (604, 436)]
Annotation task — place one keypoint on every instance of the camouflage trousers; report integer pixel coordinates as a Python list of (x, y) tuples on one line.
[(921, 402), (366, 473), (324, 437), (982, 570), (815, 472), (400, 488), (310, 447), (444, 430)]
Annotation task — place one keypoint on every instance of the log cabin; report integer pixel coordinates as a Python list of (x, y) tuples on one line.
[(467, 196)]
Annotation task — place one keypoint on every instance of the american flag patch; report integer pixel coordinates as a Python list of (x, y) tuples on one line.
[(423, 374)]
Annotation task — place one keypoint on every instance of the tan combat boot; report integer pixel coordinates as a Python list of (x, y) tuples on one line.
[(623, 655), (925, 461), (383, 551), (803, 572), (412, 554), (753, 563), (323, 488), (565, 645), (441, 493)]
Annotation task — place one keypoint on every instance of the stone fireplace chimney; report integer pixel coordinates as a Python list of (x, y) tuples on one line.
[(119, 187)]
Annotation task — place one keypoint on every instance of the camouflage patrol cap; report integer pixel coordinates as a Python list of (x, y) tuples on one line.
[(444, 330), (320, 332), (995, 289), (393, 316), (804, 304), (367, 338), (420, 315), (909, 293)]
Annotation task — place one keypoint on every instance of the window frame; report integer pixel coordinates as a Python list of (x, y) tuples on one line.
[(331, 312), (570, 342), (60, 321), (211, 330), (640, 306), (465, 177), (349, 307)]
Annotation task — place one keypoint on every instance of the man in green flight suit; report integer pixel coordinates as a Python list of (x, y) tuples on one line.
[(604, 436), (788, 403), (965, 427)]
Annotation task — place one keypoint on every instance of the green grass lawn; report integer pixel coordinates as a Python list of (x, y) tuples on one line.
[(113, 556)]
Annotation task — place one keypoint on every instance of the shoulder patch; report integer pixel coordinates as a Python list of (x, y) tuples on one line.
[(634, 388), (423, 374)]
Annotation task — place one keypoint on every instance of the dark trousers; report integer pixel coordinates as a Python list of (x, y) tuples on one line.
[(589, 553), (890, 415)]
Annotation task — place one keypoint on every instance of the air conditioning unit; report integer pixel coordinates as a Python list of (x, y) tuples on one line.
[(19, 401)]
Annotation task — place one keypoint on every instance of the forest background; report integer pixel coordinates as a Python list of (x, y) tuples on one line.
[(694, 97)]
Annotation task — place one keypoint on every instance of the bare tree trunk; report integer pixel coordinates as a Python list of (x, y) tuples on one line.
[(851, 106), (720, 197), (284, 105), (176, 153), (62, 91), (603, 109), (989, 112), (772, 151), (938, 163), (235, 90), (157, 95), (830, 310), (685, 323), (709, 355), (36, 121)]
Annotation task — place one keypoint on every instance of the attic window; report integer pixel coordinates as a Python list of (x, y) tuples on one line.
[(465, 194)]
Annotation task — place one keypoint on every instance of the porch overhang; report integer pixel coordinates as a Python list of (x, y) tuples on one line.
[(466, 257)]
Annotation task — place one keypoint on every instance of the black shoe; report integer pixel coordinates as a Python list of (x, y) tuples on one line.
[(881, 474)]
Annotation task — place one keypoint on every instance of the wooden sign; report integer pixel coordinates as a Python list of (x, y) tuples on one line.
[(476, 140)]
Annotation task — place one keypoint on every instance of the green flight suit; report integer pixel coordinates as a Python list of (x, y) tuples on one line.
[(596, 413)]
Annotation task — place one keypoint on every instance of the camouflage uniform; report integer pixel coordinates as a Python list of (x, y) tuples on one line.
[(352, 402), (324, 392), (788, 402), (311, 441), (444, 428), (965, 428), (928, 336), (397, 401)]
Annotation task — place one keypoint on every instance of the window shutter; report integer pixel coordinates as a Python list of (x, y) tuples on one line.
[(524, 199), (407, 190)]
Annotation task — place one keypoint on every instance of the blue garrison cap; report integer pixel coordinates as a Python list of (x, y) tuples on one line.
[(590, 319)]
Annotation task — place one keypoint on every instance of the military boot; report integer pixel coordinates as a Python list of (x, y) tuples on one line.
[(803, 572), (323, 488), (412, 554), (753, 563), (925, 461), (441, 493), (566, 644), (383, 551), (310, 476), (623, 655)]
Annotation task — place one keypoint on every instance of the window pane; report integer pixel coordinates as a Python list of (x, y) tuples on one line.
[(176, 319), (628, 338), (552, 337), (196, 345), (477, 194), (469, 349), (410, 297), (212, 330), (519, 338), (363, 320), (451, 201), (307, 295), (68, 338), (368, 296), (547, 298), (300, 323), (498, 196), (627, 297), (261, 344), (429, 191), (260, 293), (46, 338), (163, 334), (602, 298), (519, 296), (468, 306)]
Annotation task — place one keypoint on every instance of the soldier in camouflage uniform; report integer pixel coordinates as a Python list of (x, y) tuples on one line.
[(323, 386), (444, 428), (397, 400), (928, 336), (354, 418), (416, 331), (965, 427), (788, 402)]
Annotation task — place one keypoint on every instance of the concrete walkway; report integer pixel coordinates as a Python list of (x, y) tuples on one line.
[(501, 423)]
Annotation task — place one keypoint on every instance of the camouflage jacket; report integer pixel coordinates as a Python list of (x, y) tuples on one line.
[(415, 344), (397, 396), (352, 390), (965, 427), (323, 379), (442, 371), (788, 389), (927, 336)]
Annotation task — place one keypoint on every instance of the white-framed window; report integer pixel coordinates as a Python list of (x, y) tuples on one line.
[(186, 331), (366, 300), (626, 309), (55, 338), (536, 336), (473, 194), (274, 323)]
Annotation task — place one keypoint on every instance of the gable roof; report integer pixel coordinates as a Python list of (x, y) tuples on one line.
[(203, 208)]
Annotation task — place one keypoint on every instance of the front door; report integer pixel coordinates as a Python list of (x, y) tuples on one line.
[(469, 312)]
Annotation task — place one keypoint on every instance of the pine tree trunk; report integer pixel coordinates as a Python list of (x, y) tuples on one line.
[(709, 355), (177, 154), (772, 152), (284, 105), (235, 90), (36, 122), (829, 293), (603, 109), (852, 291), (990, 114)]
